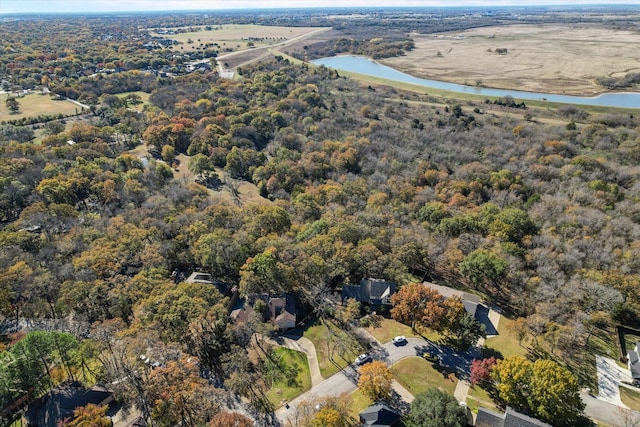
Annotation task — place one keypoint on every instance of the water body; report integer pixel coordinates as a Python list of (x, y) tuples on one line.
[(366, 66)]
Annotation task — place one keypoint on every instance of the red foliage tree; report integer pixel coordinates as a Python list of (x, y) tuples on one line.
[(481, 370)]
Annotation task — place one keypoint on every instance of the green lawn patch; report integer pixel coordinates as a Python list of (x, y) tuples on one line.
[(360, 403), (385, 329), (144, 98), (506, 342), (335, 348), (35, 104), (418, 375), (280, 390), (478, 397), (630, 397)]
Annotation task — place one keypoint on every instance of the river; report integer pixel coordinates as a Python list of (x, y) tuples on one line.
[(366, 66)]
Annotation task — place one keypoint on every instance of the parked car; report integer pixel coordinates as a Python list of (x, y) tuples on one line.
[(363, 358), (399, 340)]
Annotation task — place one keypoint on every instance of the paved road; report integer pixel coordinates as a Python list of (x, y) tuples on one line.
[(346, 380), (609, 413)]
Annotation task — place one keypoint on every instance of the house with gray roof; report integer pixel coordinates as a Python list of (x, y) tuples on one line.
[(511, 418), (633, 361), (375, 292)]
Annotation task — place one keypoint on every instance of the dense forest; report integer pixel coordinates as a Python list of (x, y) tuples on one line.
[(539, 217)]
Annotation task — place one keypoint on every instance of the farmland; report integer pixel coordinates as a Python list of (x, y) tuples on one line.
[(547, 58)]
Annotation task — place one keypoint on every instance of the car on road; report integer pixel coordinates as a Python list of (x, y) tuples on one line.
[(399, 340), (363, 358)]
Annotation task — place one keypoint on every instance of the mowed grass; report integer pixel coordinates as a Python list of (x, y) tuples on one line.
[(359, 404), (506, 342), (478, 397), (144, 97), (630, 397), (35, 104), (385, 329), (418, 375), (335, 348), (281, 390), (237, 37)]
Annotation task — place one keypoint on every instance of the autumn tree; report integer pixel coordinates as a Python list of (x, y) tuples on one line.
[(416, 304), (230, 419), (180, 395), (375, 380), (480, 372), (325, 412), (436, 408), (90, 415), (542, 388)]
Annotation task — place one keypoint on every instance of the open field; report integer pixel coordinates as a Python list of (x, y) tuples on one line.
[(548, 58), (36, 104), (236, 37), (630, 397)]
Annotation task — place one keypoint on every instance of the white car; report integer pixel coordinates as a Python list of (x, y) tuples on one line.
[(363, 358), (399, 340)]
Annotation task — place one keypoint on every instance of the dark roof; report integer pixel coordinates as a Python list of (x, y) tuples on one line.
[(370, 291), (516, 419), (489, 418), (60, 403), (379, 415)]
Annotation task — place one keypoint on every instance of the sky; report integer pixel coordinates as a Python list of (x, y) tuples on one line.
[(64, 6)]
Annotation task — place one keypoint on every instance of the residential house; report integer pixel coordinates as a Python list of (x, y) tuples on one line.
[(633, 361), (472, 305), (280, 311), (380, 415), (374, 292), (225, 289), (60, 403), (511, 418)]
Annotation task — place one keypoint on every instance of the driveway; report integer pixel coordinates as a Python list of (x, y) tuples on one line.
[(610, 375), (346, 381)]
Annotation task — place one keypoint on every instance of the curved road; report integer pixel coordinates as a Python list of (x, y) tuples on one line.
[(346, 380)]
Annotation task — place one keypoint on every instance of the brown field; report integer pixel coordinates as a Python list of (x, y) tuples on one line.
[(236, 37), (546, 58), (36, 104)]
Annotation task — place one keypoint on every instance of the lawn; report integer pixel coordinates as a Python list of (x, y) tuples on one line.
[(335, 348), (506, 342), (418, 375), (144, 97), (359, 404), (479, 397), (35, 104), (386, 329), (630, 397), (281, 390)]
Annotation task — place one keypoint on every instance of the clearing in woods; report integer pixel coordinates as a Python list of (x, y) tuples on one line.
[(232, 37), (541, 58)]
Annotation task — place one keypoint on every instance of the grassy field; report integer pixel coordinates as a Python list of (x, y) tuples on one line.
[(36, 104), (236, 37), (334, 347), (546, 58), (281, 390), (417, 375), (630, 397)]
